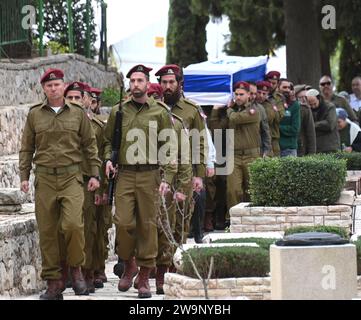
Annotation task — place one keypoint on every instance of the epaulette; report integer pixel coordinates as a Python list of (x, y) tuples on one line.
[(162, 104), (177, 117), (98, 121), (191, 103), (75, 104), (36, 105)]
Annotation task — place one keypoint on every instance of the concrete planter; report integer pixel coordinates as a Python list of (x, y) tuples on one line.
[(177, 286)]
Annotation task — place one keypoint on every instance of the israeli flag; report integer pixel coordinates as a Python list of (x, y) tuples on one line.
[(211, 82)]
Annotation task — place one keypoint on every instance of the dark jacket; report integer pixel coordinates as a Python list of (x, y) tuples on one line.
[(307, 137), (327, 137)]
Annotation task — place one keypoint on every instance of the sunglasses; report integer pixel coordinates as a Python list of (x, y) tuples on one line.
[(322, 84)]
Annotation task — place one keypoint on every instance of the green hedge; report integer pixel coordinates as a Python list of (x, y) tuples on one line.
[(110, 97), (329, 229), (358, 249), (353, 160), (264, 243), (308, 181), (229, 262)]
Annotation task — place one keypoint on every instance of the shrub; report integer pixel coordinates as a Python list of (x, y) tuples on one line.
[(358, 249), (110, 97), (307, 181), (353, 160), (229, 262), (264, 243), (330, 229)]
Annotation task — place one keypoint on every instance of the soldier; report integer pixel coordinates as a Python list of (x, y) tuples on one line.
[(273, 77), (60, 135), (290, 123), (265, 135), (139, 180), (275, 112), (325, 118), (327, 92), (307, 137), (171, 80)]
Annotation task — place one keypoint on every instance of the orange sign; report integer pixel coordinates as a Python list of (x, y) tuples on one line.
[(159, 42)]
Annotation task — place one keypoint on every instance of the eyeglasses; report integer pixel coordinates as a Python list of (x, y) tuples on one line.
[(328, 83)]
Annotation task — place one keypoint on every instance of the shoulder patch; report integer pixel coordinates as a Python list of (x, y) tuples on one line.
[(191, 103), (162, 104), (99, 122), (177, 117)]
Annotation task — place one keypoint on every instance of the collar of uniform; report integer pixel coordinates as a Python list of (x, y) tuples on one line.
[(147, 103), (179, 104), (46, 104)]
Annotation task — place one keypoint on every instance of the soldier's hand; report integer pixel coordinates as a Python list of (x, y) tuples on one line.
[(210, 172), (109, 169), (98, 200), (197, 184), (24, 186), (180, 197), (164, 188), (93, 184)]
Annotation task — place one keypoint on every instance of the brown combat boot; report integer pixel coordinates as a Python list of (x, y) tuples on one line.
[(151, 276), (64, 274), (130, 271), (208, 222), (143, 284), (100, 274), (159, 278), (54, 290), (89, 280), (79, 284)]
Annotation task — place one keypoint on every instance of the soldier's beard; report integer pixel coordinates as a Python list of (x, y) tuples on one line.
[(171, 98)]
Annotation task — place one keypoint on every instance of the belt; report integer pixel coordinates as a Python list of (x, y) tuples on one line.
[(57, 171), (255, 151), (139, 167)]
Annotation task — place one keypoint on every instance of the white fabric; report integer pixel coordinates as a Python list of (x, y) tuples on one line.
[(56, 109), (208, 99), (312, 93), (355, 103), (354, 130)]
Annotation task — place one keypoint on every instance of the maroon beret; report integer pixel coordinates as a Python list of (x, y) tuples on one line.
[(263, 85), (52, 74), (155, 88), (96, 91), (241, 85), (169, 69), (87, 87), (139, 68), (275, 75), (74, 86)]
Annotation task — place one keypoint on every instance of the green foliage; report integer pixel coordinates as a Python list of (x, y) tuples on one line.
[(353, 160), (329, 229), (307, 181), (358, 249), (229, 262), (264, 243), (186, 38), (110, 97)]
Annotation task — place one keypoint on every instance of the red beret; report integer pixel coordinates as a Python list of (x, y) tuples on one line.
[(87, 87), (155, 88), (241, 85), (275, 75), (96, 91), (169, 69), (74, 86), (52, 74), (139, 68), (264, 85)]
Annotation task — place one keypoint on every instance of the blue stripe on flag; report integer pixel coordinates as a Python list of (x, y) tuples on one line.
[(251, 74), (207, 83)]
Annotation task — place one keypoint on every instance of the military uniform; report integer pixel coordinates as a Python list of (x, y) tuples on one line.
[(136, 195), (307, 137), (59, 141)]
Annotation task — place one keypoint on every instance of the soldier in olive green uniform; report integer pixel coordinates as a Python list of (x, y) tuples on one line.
[(244, 119), (139, 180), (171, 81), (275, 112), (59, 134)]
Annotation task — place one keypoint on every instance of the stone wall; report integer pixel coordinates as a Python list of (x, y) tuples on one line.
[(177, 286), (20, 259), (19, 81), (245, 218)]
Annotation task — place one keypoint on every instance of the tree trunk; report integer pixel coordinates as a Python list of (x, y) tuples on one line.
[(302, 41), (325, 62)]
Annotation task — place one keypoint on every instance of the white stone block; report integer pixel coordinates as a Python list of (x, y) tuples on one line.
[(211, 237), (269, 228), (259, 220), (300, 219), (313, 273), (242, 228), (347, 198), (312, 211)]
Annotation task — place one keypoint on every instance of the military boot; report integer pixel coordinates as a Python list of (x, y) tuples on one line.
[(79, 284), (143, 284), (54, 290), (100, 274), (151, 276), (130, 271), (159, 278), (208, 222), (64, 275), (89, 280)]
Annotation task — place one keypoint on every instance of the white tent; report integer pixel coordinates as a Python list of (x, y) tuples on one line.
[(211, 82)]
